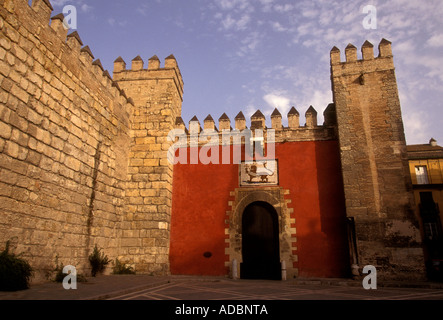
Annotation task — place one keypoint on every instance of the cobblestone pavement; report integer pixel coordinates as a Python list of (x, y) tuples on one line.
[(273, 290), (143, 287), (222, 298)]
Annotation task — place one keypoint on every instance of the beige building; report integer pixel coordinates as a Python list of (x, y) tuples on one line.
[(426, 167)]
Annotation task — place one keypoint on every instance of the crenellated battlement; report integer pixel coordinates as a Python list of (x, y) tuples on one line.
[(66, 52), (68, 49), (368, 62), (310, 131), (64, 123), (367, 51), (153, 71)]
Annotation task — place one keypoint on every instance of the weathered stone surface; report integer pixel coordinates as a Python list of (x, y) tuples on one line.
[(84, 156), (50, 142), (374, 173)]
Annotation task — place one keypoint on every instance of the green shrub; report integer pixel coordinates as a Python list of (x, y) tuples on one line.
[(98, 261), (15, 272), (59, 275), (121, 268)]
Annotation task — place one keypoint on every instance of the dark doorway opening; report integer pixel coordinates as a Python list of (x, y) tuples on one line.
[(260, 243), (433, 236)]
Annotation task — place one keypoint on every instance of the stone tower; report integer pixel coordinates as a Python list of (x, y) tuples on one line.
[(157, 94), (379, 201)]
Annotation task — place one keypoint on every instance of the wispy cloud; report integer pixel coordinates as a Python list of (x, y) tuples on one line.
[(113, 22), (86, 8), (237, 5), (230, 23), (312, 28), (416, 126), (435, 41), (249, 44), (277, 100), (79, 4), (58, 3), (143, 9), (284, 8), (278, 27)]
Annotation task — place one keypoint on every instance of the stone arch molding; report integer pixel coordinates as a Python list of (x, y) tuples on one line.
[(275, 196), (254, 196)]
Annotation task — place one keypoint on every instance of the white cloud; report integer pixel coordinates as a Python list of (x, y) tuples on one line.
[(85, 8), (228, 22), (276, 100), (250, 110), (266, 5), (416, 127), (283, 8), (249, 44), (143, 9), (320, 100), (278, 27), (79, 4), (314, 27), (57, 3), (404, 47), (311, 42), (237, 5), (244, 20), (435, 41), (112, 22), (227, 4)]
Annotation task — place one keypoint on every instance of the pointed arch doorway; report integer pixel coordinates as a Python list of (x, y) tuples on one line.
[(260, 242)]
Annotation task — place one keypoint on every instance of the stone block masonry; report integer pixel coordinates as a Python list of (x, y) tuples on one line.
[(63, 164), (83, 159), (157, 93), (81, 163), (377, 184)]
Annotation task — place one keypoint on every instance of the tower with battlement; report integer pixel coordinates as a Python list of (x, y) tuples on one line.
[(377, 185), (157, 93)]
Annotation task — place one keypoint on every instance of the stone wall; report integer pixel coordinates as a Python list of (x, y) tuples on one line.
[(294, 132), (377, 183), (157, 93), (63, 128), (308, 199), (84, 161)]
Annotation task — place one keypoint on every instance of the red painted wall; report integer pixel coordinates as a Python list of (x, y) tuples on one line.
[(310, 170), (312, 173)]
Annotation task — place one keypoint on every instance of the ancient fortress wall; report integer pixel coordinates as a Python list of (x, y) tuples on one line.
[(64, 126), (377, 184), (83, 155), (81, 163), (158, 93), (296, 130)]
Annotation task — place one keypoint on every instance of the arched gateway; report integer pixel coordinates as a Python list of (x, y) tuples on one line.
[(260, 242), (261, 233)]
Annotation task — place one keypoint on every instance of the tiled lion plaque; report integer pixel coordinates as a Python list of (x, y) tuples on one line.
[(258, 172)]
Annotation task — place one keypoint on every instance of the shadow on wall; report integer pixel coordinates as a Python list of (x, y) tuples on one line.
[(332, 209)]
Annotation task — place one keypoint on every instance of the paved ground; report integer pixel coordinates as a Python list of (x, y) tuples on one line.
[(222, 298), (143, 287), (273, 290)]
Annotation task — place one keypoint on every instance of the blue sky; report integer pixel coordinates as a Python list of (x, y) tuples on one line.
[(244, 55)]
